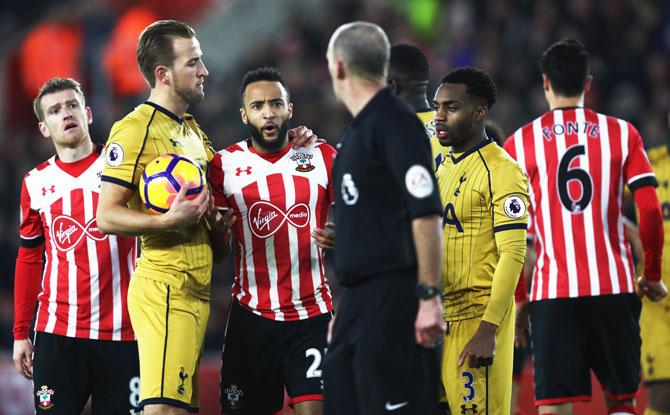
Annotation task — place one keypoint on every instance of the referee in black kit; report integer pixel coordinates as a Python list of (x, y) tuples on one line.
[(382, 358)]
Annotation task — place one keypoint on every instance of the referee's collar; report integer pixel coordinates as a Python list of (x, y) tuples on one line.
[(378, 100), (481, 144)]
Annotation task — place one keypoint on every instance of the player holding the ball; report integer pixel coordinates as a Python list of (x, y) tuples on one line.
[(169, 293)]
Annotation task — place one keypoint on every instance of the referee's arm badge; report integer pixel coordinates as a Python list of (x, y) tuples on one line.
[(418, 181)]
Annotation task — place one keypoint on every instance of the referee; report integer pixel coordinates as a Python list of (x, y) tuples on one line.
[(382, 358)]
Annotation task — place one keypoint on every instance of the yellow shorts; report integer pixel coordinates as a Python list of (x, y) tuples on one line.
[(487, 390), (170, 328), (655, 331)]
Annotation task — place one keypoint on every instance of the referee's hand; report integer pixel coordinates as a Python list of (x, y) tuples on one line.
[(430, 326)]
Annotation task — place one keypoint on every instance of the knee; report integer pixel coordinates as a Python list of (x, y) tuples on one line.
[(659, 396)]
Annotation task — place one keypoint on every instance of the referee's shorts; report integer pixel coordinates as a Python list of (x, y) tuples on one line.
[(373, 364)]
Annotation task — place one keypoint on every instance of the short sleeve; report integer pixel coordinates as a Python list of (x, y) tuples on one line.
[(509, 192), (637, 169), (122, 153), (30, 223), (406, 151)]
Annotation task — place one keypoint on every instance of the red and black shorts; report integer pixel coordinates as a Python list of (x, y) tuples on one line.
[(67, 371), (261, 357), (572, 336)]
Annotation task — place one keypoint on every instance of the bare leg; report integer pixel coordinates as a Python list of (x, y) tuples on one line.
[(659, 397), (562, 409), (160, 409), (308, 408)]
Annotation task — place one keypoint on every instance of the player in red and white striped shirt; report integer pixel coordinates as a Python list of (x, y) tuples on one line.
[(584, 311), (84, 343), (276, 330)]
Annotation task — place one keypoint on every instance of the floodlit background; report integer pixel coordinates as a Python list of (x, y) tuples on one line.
[(94, 41)]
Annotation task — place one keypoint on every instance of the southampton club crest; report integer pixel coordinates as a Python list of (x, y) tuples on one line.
[(44, 394), (304, 161), (233, 394)]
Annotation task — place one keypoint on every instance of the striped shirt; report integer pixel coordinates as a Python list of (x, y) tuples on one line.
[(86, 275), (278, 199), (577, 162)]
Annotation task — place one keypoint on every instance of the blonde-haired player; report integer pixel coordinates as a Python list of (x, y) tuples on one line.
[(168, 298)]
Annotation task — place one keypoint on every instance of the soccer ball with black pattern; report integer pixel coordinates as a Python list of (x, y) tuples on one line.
[(164, 176)]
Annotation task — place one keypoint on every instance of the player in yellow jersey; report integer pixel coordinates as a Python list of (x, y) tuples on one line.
[(168, 298), (408, 78), (485, 198), (655, 316)]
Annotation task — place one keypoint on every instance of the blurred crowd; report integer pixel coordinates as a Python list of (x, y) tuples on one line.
[(629, 41)]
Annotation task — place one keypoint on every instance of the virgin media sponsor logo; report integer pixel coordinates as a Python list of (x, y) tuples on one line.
[(67, 232), (265, 219)]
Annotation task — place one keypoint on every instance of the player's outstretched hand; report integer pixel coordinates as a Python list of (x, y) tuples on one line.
[(23, 357), (481, 348), (521, 324), (184, 212), (325, 237), (430, 326), (303, 137), (654, 290)]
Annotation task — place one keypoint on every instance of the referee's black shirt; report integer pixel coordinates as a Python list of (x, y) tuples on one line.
[(382, 179)]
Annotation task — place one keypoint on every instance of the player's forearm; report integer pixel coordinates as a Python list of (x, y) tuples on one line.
[(428, 244), (512, 250), (651, 230), (27, 277), (114, 215), (121, 220)]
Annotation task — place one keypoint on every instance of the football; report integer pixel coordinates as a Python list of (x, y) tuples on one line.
[(164, 176)]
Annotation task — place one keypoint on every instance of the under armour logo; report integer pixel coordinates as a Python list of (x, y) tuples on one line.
[(469, 410), (51, 189), (239, 170)]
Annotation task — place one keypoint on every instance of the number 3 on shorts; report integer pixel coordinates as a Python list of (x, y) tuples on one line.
[(469, 379), (313, 370)]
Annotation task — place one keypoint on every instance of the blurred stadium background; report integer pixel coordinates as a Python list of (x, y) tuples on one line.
[(94, 41)]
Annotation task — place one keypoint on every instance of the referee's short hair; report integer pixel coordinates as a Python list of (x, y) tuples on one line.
[(408, 63), (364, 48)]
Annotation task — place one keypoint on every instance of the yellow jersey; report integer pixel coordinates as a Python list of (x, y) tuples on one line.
[(659, 157), (436, 150), (484, 193), (180, 258)]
